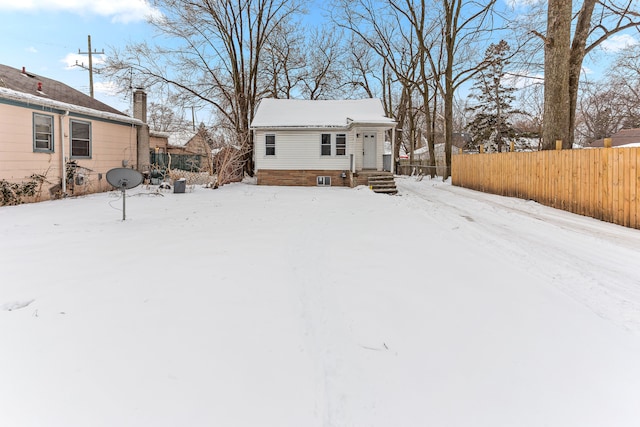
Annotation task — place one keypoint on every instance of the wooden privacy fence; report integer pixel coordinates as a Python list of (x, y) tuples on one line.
[(602, 183)]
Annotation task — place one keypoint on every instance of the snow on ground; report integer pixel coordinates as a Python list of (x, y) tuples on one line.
[(274, 306)]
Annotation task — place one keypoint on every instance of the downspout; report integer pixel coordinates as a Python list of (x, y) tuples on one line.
[(62, 156), (392, 166)]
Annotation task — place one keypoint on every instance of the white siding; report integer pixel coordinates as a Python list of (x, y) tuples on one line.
[(358, 146), (300, 150)]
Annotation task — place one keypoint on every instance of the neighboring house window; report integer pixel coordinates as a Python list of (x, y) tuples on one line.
[(270, 145), (80, 139), (42, 133), (341, 144), (325, 144)]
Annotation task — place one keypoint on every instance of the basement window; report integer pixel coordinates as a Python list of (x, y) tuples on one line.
[(323, 181)]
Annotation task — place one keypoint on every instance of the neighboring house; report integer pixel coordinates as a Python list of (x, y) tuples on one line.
[(197, 142), (303, 142), (625, 137), (50, 129), (192, 147), (158, 141)]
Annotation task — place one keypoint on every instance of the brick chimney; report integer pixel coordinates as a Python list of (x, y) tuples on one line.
[(140, 113), (140, 105)]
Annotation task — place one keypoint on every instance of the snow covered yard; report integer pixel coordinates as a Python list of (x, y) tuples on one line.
[(275, 306)]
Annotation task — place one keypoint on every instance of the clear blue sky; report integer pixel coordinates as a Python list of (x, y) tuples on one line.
[(45, 35)]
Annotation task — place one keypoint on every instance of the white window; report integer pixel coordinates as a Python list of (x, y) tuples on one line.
[(325, 144), (80, 139), (341, 144), (270, 145), (42, 133), (323, 181)]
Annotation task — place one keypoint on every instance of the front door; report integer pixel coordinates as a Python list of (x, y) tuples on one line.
[(369, 148)]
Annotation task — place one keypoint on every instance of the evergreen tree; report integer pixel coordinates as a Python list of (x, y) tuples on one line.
[(490, 124)]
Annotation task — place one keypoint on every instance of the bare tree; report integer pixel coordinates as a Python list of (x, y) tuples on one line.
[(323, 78), (599, 114), (162, 117), (365, 70), (624, 84), (467, 24), (213, 54), (429, 60), (388, 36), (284, 62)]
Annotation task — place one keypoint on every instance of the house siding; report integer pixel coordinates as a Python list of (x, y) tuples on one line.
[(359, 146), (111, 145), (300, 150)]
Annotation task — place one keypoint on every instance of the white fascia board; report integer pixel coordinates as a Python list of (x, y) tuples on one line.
[(49, 103)]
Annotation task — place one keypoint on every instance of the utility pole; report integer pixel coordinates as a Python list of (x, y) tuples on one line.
[(90, 53)]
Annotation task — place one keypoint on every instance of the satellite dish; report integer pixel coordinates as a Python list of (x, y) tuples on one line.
[(124, 179)]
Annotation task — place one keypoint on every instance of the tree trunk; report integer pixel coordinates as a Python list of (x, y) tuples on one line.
[(557, 103), (578, 51)]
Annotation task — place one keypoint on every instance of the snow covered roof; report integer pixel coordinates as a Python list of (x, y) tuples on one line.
[(34, 100), (623, 137), (181, 138), (28, 88), (298, 113)]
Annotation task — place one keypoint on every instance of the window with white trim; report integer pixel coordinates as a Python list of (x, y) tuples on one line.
[(325, 144), (80, 139), (42, 133), (270, 145), (323, 181), (341, 144)]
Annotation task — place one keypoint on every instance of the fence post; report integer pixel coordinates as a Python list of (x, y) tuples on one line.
[(558, 144), (481, 148), (512, 146), (607, 143)]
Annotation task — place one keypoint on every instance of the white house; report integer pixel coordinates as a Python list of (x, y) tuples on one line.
[(303, 142)]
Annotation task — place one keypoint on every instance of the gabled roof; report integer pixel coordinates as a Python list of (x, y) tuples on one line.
[(23, 86), (623, 137), (298, 113), (180, 138)]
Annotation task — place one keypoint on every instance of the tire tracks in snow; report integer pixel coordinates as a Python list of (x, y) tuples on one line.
[(590, 262)]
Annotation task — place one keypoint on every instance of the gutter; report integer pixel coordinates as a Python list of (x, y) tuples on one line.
[(29, 99)]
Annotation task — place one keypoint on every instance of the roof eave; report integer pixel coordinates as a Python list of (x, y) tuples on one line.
[(29, 99)]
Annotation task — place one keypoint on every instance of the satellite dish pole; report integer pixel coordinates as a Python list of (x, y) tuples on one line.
[(124, 179), (124, 202)]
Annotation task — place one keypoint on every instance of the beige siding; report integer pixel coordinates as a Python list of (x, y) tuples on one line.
[(111, 145)]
